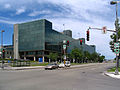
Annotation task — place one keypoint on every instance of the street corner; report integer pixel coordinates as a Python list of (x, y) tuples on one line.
[(112, 74)]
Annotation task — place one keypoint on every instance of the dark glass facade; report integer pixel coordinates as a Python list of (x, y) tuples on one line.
[(31, 36)]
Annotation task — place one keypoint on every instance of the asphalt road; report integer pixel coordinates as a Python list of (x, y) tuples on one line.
[(85, 78)]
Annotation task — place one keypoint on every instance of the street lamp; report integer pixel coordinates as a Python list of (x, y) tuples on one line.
[(113, 2), (2, 41), (116, 27)]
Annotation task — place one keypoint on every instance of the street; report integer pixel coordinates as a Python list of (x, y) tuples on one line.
[(85, 78)]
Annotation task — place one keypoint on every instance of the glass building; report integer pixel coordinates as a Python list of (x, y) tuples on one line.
[(36, 39)]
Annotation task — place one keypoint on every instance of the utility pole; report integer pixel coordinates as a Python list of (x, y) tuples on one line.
[(116, 27)]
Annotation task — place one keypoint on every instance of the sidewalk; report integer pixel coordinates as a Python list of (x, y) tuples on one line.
[(24, 68), (112, 74)]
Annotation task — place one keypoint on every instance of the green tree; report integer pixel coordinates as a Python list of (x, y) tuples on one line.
[(94, 57), (53, 56), (87, 56), (113, 37), (101, 58), (77, 55)]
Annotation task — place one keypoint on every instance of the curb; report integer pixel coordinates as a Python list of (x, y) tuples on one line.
[(107, 74)]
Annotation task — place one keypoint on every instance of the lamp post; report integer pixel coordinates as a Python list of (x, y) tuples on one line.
[(116, 27), (2, 41)]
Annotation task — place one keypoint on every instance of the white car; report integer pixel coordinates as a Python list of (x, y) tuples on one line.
[(67, 64), (62, 65)]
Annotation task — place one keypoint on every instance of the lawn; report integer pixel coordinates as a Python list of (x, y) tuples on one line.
[(39, 64), (113, 69)]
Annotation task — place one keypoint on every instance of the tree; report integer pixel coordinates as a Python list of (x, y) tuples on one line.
[(113, 37), (101, 58), (77, 55), (53, 56), (94, 57), (87, 56)]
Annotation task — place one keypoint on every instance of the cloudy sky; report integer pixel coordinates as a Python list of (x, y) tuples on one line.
[(77, 15)]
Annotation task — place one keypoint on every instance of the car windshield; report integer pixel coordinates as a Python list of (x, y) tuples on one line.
[(67, 62)]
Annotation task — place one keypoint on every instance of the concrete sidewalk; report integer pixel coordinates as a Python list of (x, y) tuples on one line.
[(112, 74), (23, 68)]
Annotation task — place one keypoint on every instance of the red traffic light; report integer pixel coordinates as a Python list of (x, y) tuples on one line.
[(88, 32), (80, 42), (3, 50), (68, 43)]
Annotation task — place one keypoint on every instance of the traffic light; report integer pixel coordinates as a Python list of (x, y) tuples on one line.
[(80, 42), (88, 35), (3, 53), (67, 43), (104, 30)]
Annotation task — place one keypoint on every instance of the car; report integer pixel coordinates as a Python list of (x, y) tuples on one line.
[(51, 66), (61, 65), (67, 64)]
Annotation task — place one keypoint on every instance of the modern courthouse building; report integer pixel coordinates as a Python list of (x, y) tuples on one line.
[(36, 39)]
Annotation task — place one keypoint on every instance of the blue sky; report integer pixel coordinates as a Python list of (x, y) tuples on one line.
[(77, 15)]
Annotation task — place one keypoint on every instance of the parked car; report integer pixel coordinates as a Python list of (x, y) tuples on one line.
[(67, 64), (51, 66), (61, 65)]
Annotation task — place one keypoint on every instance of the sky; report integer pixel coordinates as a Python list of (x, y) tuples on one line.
[(76, 15)]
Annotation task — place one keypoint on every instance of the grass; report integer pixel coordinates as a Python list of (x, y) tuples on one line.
[(39, 64), (44, 64), (113, 69), (76, 63)]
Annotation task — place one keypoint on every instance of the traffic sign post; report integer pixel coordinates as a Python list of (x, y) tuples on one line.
[(64, 47)]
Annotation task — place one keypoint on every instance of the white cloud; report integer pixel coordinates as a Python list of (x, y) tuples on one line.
[(7, 5), (36, 13), (20, 10)]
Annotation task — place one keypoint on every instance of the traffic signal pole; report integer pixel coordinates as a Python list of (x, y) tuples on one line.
[(116, 31), (101, 29), (117, 26)]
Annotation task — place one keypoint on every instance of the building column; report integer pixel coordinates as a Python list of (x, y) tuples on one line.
[(34, 58), (15, 46), (43, 59), (24, 55)]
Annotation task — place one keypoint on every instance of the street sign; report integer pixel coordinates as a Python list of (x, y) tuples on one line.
[(116, 51), (116, 45), (64, 57), (64, 46), (116, 48), (117, 54), (64, 41)]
